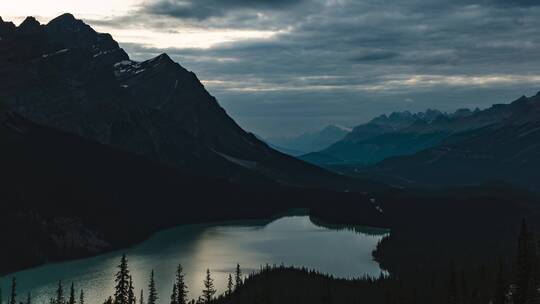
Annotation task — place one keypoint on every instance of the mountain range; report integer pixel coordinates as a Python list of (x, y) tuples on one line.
[(507, 149), (400, 133), (432, 148), (67, 76)]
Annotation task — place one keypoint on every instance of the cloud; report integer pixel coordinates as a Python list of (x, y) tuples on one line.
[(203, 9), (344, 61)]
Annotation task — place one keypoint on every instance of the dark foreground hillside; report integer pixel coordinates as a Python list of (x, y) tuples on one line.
[(290, 285), (63, 196)]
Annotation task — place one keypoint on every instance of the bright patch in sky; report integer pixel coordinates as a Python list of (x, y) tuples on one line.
[(176, 37), (183, 37), (47, 9)]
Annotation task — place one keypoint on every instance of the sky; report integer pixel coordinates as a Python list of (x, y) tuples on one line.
[(284, 67)]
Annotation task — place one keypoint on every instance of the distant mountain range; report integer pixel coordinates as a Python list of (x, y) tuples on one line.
[(399, 133), (67, 76), (500, 143), (309, 142), (507, 149)]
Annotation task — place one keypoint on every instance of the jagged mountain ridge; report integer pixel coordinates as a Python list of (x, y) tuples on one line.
[(383, 136), (507, 151), (405, 133), (66, 75)]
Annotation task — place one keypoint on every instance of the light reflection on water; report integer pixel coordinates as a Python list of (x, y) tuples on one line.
[(291, 240)]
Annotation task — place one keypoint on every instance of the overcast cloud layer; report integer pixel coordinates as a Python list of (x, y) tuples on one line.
[(291, 66)]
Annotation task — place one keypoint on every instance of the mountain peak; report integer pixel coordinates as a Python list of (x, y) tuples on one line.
[(164, 57), (6, 27), (66, 31), (68, 22), (29, 25), (66, 16)]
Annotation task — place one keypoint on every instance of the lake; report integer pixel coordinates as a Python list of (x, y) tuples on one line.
[(289, 240)]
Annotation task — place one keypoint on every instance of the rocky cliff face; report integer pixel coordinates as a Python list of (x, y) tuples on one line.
[(66, 75)]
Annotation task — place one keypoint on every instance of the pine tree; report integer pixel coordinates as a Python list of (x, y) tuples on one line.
[(13, 297), (209, 291), (122, 277), (60, 294), (72, 294), (109, 301), (174, 295), (152, 293), (131, 292), (238, 276), (230, 285), (181, 286), (141, 299), (29, 298), (81, 297)]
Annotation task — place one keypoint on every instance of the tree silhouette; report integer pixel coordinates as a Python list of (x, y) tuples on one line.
[(59, 294), (230, 285), (209, 291), (131, 292), (121, 294), (72, 294), (182, 291), (141, 299), (81, 297), (152, 293), (174, 295), (238, 276), (29, 298), (13, 297)]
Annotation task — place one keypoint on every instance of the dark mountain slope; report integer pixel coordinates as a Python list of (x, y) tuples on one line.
[(375, 149), (66, 75), (64, 196), (509, 153)]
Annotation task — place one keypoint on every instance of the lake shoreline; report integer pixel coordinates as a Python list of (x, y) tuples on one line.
[(292, 239), (256, 217)]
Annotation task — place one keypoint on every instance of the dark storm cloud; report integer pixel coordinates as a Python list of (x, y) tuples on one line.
[(344, 61), (202, 9)]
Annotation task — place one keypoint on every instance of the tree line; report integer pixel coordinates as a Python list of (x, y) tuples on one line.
[(520, 285), (124, 290)]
